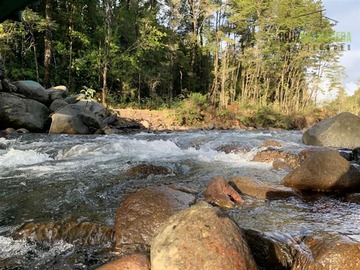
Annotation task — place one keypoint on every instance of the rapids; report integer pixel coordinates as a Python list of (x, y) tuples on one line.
[(82, 178)]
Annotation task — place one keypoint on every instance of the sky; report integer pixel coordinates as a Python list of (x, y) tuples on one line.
[(347, 13)]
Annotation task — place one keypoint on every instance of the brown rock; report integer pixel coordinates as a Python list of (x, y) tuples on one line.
[(329, 251), (222, 194), (353, 197), (84, 233), (261, 190), (270, 155), (144, 170), (234, 149), (271, 143), (200, 237), (131, 262), (142, 212), (281, 165), (324, 171), (272, 250)]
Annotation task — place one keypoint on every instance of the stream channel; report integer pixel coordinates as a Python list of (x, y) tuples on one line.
[(82, 178)]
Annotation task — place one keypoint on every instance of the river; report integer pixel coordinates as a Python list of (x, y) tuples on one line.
[(82, 178)]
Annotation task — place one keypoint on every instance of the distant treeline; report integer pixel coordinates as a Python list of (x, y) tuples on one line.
[(245, 52)]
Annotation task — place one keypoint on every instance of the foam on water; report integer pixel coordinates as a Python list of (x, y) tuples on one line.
[(14, 158), (10, 247)]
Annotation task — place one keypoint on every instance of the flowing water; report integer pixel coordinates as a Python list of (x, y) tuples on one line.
[(82, 178)]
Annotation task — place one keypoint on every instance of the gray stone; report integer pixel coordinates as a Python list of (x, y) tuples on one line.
[(17, 112), (342, 130), (74, 119), (58, 92), (94, 107), (33, 90), (57, 104)]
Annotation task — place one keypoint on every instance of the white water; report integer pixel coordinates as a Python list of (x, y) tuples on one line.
[(82, 178)]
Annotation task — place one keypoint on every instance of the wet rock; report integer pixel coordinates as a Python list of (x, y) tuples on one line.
[(130, 262), (280, 165), (33, 90), (273, 251), (324, 171), (356, 153), (329, 251), (11, 132), (353, 197), (200, 237), (342, 130), (306, 153), (261, 190), (219, 192), (142, 212), (17, 112), (84, 233), (73, 119), (22, 131), (235, 149), (144, 170), (270, 155), (271, 143), (57, 104)]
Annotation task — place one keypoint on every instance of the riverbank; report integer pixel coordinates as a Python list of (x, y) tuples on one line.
[(231, 119)]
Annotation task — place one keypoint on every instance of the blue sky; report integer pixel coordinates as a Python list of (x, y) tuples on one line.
[(347, 12)]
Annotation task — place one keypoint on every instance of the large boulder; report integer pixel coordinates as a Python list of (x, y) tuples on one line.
[(142, 213), (200, 237), (18, 112), (342, 130), (324, 171), (74, 119), (33, 90), (93, 107), (329, 251)]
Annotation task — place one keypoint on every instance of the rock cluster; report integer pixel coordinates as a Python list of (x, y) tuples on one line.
[(28, 105)]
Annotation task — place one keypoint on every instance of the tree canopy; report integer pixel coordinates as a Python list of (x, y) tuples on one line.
[(155, 52)]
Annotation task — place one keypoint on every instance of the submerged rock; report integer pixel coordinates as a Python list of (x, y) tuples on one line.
[(342, 130), (200, 237), (84, 233), (144, 170), (270, 155), (324, 171), (261, 190), (329, 251), (219, 192), (142, 212)]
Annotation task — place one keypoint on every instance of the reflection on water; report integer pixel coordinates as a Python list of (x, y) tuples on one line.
[(82, 178)]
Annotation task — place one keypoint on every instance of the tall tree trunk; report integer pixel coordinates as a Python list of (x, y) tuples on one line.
[(48, 44)]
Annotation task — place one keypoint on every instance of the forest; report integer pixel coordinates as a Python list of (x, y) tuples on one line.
[(151, 54)]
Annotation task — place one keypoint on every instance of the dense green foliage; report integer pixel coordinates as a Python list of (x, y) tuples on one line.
[(250, 53)]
